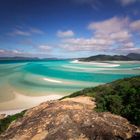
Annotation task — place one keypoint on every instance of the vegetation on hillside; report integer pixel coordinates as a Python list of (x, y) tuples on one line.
[(4, 123), (102, 57), (121, 97)]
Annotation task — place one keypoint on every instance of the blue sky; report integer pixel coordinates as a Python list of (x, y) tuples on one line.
[(69, 28)]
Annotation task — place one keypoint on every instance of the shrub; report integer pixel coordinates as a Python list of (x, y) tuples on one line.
[(121, 97)]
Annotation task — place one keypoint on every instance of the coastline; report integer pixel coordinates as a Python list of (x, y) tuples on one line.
[(105, 62), (52, 80), (22, 102), (19, 100), (102, 64)]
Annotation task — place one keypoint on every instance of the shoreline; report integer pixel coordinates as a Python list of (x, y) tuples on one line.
[(22, 102), (52, 80), (96, 63), (114, 62), (12, 112)]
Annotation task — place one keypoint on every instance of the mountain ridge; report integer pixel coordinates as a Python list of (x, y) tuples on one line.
[(103, 57), (100, 57)]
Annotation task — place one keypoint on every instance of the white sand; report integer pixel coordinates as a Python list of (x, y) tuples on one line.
[(101, 64), (126, 62), (52, 80), (65, 82), (97, 69), (88, 69), (22, 102), (11, 112)]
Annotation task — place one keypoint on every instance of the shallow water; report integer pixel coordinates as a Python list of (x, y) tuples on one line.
[(39, 78)]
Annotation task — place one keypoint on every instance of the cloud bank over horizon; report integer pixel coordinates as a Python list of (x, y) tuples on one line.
[(112, 35)]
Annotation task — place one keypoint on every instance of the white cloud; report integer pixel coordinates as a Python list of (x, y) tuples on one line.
[(127, 2), (127, 48), (25, 32), (68, 33), (107, 36), (84, 41), (10, 52), (135, 25), (17, 32), (83, 44), (2, 51), (36, 31), (111, 25), (16, 52), (45, 48), (120, 36), (129, 45), (13, 53)]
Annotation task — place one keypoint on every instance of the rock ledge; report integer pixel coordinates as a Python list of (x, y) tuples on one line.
[(69, 120)]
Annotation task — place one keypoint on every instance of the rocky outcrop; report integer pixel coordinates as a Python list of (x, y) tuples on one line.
[(70, 119)]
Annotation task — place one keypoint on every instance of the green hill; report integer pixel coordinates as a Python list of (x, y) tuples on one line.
[(103, 57), (121, 97)]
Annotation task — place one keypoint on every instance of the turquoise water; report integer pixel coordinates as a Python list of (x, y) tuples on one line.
[(37, 78)]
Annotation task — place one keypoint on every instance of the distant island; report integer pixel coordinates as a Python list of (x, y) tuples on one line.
[(19, 58), (102, 57), (26, 58)]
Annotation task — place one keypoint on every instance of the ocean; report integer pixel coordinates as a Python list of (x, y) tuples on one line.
[(24, 84)]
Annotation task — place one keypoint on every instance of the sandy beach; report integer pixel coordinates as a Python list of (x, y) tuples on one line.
[(52, 80), (22, 102), (102, 64)]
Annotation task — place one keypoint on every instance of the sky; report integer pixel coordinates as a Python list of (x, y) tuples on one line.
[(69, 28)]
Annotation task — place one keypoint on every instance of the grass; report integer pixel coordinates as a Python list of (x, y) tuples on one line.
[(4, 123)]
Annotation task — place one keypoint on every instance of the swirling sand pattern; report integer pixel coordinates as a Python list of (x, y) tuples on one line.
[(36, 81)]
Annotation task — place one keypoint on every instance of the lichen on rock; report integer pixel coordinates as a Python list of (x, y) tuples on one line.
[(69, 120)]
